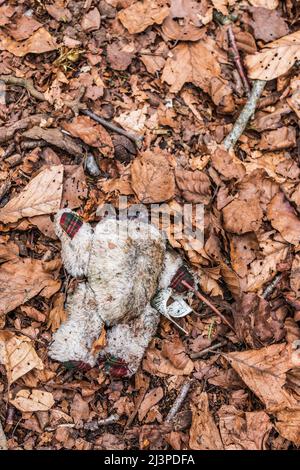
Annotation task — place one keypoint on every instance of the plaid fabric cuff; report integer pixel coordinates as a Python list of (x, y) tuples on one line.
[(70, 223), (182, 274)]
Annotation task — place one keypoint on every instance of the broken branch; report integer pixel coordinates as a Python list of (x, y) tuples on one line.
[(237, 59), (112, 127), (179, 401), (57, 138), (207, 350), (247, 112), (25, 83)]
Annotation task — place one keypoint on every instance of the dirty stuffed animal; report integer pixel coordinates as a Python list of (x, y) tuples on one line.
[(120, 265)]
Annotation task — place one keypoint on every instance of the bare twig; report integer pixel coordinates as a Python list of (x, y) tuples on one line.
[(179, 401), (270, 288), (138, 140), (237, 59), (139, 400), (94, 425), (7, 132), (247, 112), (207, 350), (208, 303), (3, 441), (25, 83)]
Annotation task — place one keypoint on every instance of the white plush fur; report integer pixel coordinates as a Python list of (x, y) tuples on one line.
[(129, 340), (124, 263), (74, 339)]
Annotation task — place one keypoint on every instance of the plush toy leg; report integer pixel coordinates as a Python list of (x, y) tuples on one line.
[(73, 341), (76, 238), (127, 342)]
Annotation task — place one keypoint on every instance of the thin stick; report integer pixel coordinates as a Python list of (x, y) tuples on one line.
[(208, 303), (136, 139), (237, 59), (25, 83), (247, 112), (179, 401), (207, 350), (270, 288), (3, 441), (139, 400)]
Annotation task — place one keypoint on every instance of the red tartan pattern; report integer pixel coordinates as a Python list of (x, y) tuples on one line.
[(182, 274), (70, 223)]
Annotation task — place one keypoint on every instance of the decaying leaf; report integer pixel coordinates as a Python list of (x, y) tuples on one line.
[(151, 399), (243, 430), (268, 25), (18, 355), (204, 434), (183, 22), (284, 218), (275, 59), (142, 14), (175, 351), (270, 4), (91, 20), (91, 133), (23, 28), (42, 195), (227, 164), (152, 177), (192, 62), (242, 216), (36, 400), (41, 41), (155, 363), (57, 314), (255, 322), (21, 280), (195, 185)]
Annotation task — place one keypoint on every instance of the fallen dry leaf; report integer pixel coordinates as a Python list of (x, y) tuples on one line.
[(21, 280), (41, 41), (243, 430), (119, 58), (57, 314), (42, 195), (155, 363), (195, 185), (151, 399), (175, 351), (183, 22), (91, 133), (192, 62), (255, 322), (242, 216), (91, 21), (270, 4), (268, 25), (23, 28), (263, 370), (74, 187), (36, 400), (133, 121), (227, 164), (79, 409), (58, 12), (152, 178), (99, 343), (283, 217), (204, 434), (142, 14), (284, 137), (18, 355), (275, 59)]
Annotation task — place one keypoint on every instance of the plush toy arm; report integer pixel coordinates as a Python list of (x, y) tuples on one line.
[(73, 341), (76, 239)]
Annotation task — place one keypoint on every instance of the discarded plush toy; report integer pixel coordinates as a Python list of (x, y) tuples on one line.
[(121, 266)]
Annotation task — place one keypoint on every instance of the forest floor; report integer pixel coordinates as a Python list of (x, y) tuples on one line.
[(174, 75)]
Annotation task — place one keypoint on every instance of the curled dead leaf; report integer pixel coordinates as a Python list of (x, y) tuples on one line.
[(91, 133), (42, 195), (41, 41), (195, 185), (57, 314), (175, 351), (137, 17), (152, 177), (284, 218), (35, 400), (18, 355)]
